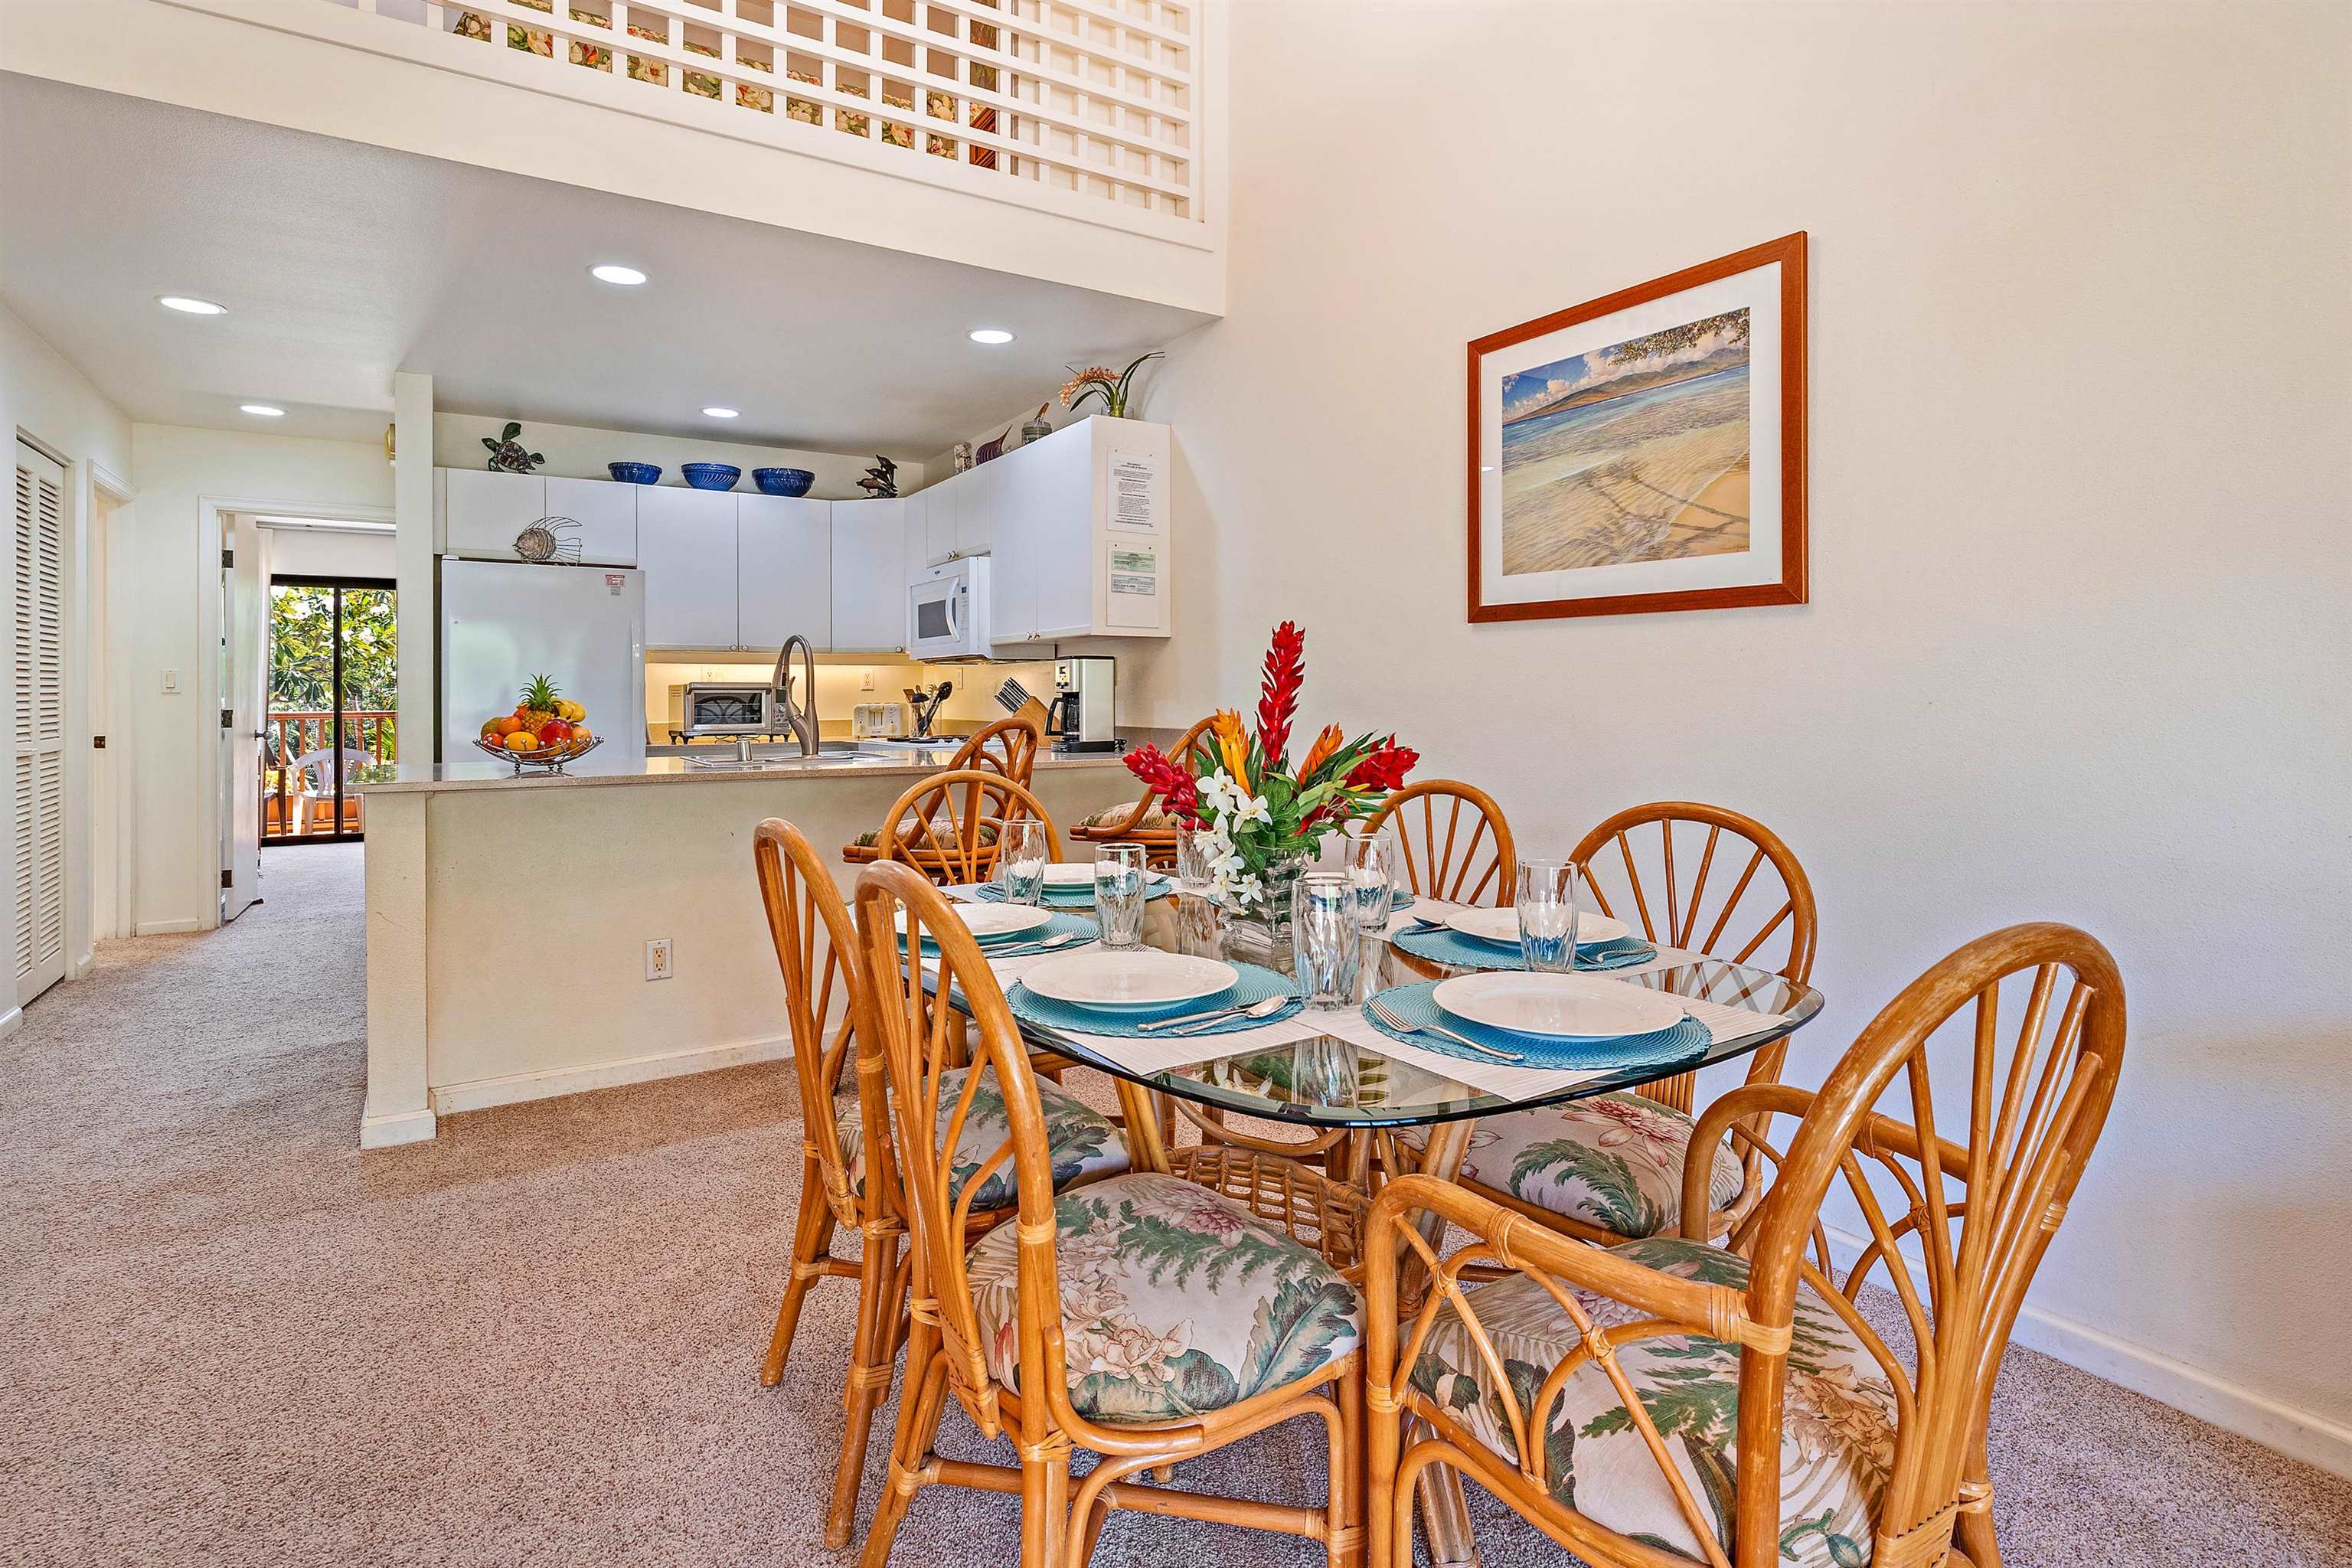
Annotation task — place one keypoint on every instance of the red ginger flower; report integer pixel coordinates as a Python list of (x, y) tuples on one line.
[(1383, 767), (1176, 789), (1277, 703)]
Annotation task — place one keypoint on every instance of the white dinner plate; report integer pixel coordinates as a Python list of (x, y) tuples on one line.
[(1501, 926), (1135, 981), (1558, 1006), (988, 922), (1081, 874)]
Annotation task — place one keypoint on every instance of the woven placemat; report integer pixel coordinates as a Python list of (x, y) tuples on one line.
[(1026, 942), (1415, 1004), (1443, 944)]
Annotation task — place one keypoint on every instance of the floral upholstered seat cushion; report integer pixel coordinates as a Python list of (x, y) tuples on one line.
[(1614, 1161), (1837, 1442), (1174, 1301), (1082, 1140)]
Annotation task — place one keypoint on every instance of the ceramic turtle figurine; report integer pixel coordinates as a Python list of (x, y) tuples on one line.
[(508, 455)]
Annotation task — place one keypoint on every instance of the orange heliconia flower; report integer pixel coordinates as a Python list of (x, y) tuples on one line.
[(1329, 741), (1227, 727)]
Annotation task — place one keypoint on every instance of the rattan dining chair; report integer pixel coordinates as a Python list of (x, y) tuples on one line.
[(1462, 859), (845, 1177), (1665, 1400), (1610, 1168), (1145, 821), (1143, 1317), (946, 826), (1008, 746)]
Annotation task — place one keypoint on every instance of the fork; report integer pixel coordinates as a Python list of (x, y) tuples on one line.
[(1063, 939), (1388, 1015)]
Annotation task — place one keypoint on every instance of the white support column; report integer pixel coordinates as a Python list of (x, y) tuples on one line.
[(412, 501), (399, 1106)]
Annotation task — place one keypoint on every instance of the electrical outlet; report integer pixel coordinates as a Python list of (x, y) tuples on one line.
[(866, 682), (657, 959)]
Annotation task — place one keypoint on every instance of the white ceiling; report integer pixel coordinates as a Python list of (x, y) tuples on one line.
[(341, 263)]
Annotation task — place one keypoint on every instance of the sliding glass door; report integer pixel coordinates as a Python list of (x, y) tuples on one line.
[(333, 660)]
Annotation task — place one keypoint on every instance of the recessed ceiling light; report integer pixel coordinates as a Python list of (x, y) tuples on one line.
[(192, 307), (720, 413), (261, 410), (613, 272), (990, 335)]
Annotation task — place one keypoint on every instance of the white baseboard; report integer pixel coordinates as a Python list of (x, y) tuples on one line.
[(481, 1093), (167, 928), (11, 1021), (396, 1128), (2233, 1407)]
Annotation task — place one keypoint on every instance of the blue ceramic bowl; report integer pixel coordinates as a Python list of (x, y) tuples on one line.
[(710, 475), (782, 481), (635, 473)]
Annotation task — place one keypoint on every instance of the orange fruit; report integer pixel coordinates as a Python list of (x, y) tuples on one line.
[(522, 741), (506, 725), (580, 737)]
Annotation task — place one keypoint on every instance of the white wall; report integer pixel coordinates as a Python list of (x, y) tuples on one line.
[(581, 452), (170, 620), (2077, 642)]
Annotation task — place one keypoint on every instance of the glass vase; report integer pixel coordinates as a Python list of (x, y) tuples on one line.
[(1258, 930)]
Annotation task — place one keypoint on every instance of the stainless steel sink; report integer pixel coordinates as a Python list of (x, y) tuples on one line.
[(768, 765)]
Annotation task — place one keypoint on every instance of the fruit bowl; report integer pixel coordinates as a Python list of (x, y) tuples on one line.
[(548, 758)]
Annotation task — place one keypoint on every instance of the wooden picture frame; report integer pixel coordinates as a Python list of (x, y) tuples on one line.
[(1564, 520)]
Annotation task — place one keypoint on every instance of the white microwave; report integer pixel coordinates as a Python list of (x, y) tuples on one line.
[(946, 611)]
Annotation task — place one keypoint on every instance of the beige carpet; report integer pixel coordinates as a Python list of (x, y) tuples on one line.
[(227, 1338)]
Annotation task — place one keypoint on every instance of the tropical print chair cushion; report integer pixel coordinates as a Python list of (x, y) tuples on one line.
[(1154, 820), (1614, 1161), (1082, 1140), (1174, 1301), (1837, 1442)]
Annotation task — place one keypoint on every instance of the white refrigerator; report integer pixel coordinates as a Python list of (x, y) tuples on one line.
[(584, 628)]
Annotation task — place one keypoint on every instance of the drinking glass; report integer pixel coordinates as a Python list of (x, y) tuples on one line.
[(1327, 941), (1118, 893), (1021, 861), (1547, 908), (1192, 859), (1367, 868)]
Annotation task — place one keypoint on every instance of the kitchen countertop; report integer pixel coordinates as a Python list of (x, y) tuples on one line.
[(483, 773)]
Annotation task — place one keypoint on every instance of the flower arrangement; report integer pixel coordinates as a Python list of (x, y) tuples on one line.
[(1113, 386), (1258, 811)]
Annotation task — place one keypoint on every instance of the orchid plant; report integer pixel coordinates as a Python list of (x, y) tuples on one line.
[(1255, 809)]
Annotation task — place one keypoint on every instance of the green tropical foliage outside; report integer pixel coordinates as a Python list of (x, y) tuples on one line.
[(302, 650)]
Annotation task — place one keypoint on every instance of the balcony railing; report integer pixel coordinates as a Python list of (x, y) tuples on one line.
[(1096, 99), (297, 799)]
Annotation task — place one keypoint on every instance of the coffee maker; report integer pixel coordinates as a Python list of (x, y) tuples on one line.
[(1083, 715)]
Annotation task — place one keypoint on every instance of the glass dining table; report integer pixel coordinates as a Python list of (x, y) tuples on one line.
[(1333, 1095), (1325, 1082)]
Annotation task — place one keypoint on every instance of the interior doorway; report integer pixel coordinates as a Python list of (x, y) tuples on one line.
[(331, 722)]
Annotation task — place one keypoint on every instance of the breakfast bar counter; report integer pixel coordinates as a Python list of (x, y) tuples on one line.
[(509, 917)]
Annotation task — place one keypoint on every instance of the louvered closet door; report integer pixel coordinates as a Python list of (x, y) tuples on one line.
[(38, 650)]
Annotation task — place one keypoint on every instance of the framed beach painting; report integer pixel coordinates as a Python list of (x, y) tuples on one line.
[(1645, 450)]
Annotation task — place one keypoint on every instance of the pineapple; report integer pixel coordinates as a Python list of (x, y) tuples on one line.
[(538, 705)]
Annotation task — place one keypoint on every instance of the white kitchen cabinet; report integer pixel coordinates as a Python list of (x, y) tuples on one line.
[(976, 495), (1073, 517), (872, 545), (607, 513), (939, 506), (687, 548), (484, 510), (784, 557)]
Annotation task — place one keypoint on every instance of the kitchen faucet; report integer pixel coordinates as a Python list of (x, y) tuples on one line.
[(800, 718)]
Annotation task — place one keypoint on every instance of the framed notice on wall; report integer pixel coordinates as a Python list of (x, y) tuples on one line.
[(1645, 450)]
